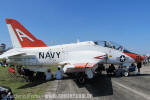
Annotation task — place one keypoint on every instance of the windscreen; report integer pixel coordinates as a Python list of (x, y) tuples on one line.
[(109, 44)]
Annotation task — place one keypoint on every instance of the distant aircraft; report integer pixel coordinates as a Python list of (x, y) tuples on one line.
[(2, 48), (79, 58)]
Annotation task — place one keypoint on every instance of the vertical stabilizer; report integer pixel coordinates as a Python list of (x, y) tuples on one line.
[(21, 37)]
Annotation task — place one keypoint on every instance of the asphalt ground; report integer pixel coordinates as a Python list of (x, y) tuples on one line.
[(134, 87)]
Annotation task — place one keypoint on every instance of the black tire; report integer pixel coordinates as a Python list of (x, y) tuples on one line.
[(71, 75), (81, 78)]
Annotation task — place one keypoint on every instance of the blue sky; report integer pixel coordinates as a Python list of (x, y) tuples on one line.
[(126, 22)]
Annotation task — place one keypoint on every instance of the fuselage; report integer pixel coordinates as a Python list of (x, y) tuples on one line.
[(43, 56)]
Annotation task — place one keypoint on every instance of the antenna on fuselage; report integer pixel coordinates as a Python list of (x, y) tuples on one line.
[(78, 41), (53, 43)]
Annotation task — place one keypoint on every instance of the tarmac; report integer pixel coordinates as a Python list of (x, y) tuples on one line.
[(133, 87)]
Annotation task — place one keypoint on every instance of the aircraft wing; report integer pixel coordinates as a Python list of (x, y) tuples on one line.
[(83, 59), (80, 64), (69, 66)]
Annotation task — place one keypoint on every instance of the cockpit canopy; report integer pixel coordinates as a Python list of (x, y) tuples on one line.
[(110, 44)]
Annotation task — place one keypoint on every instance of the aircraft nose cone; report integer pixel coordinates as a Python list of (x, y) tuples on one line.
[(142, 58), (136, 57)]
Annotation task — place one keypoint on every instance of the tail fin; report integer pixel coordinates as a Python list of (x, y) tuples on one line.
[(21, 37)]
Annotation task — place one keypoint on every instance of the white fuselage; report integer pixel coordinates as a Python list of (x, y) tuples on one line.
[(74, 53)]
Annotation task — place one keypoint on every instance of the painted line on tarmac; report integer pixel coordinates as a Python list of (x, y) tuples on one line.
[(134, 91)]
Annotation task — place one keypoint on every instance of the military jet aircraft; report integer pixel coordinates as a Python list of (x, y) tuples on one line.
[(81, 57)]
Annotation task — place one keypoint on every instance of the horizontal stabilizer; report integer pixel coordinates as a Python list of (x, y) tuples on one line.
[(10, 54)]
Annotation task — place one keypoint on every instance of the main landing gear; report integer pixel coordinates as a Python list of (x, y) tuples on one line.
[(83, 76)]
